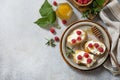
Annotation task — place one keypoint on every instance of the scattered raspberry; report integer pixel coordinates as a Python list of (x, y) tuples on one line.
[(56, 38), (52, 30), (78, 32), (89, 61), (54, 3), (79, 57), (96, 45), (73, 41), (90, 45), (100, 49), (64, 21), (78, 38), (86, 55)]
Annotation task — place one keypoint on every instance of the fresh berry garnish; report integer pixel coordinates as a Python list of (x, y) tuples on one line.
[(78, 32), (54, 3), (100, 49), (90, 45), (86, 55), (96, 45), (78, 38), (56, 38), (79, 57), (89, 61), (73, 41), (52, 30), (64, 21)]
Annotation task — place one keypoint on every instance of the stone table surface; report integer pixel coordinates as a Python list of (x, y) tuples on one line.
[(23, 53)]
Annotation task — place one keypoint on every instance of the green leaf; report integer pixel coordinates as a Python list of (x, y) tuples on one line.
[(69, 51), (46, 12), (52, 17), (94, 4), (45, 9), (94, 8), (51, 43), (100, 2), (67, 54), (42, 22), (48, 15)]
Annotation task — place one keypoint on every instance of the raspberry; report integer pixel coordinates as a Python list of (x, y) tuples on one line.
[(64, 21), (52, 30), (100, 49), (78, 38), (80, 1), (96, 45), (54, 3), (73, 41), (79, 57), (85, 1), (89, 61), (90, 45), (86, 55), (78, 32), (56, 38)]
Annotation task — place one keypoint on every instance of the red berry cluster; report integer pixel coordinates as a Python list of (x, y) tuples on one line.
[(83, 1), (86, 55), (78, 38), (96, 45)]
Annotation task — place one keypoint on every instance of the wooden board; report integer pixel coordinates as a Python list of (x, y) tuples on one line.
[(82, 9)]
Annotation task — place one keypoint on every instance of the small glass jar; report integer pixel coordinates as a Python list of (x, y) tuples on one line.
[(64, 11)]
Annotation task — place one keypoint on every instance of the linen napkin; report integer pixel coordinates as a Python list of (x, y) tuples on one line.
[(110, 15)]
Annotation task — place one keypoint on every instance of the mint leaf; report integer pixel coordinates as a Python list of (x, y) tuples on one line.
[(100, 2), (45, 9), (50, 42), (52, 17), (48, 15), (69, 51), (46, 12), (94, 4), (42, 22), (94, 8)]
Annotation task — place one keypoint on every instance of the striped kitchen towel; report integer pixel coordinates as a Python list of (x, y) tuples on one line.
[(110, 15)]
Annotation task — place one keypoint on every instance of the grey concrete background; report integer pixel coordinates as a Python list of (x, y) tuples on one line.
[(23, 54)]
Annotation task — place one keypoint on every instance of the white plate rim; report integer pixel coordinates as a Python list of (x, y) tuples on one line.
[(61, 50)]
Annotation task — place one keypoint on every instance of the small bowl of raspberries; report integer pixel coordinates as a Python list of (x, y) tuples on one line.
[(83, 2)]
